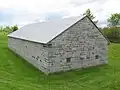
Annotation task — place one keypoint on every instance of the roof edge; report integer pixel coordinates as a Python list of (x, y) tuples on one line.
[(99, 30), (27, 40)]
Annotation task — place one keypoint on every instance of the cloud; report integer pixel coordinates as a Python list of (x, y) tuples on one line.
[(4, 15), (22, 12), (87, 2), (100, 8), (54, 15), (80, 3)]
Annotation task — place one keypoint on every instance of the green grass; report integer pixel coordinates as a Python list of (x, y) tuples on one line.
[(17, 74)]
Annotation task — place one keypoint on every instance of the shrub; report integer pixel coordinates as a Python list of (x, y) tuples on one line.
[(15, 27), (113, 33), (8, 29)]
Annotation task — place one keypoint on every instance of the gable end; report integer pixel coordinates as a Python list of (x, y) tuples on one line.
[(66, 29), (76, 23), (99, 30)]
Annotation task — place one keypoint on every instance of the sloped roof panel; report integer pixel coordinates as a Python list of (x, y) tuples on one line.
[(43, 32)]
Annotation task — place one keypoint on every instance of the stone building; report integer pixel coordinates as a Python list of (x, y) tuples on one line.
[(60, 45)]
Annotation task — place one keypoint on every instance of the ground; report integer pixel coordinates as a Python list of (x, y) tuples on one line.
[(17, 74)]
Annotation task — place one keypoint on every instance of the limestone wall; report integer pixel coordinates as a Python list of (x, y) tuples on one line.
[(34, 53), (80, 46)]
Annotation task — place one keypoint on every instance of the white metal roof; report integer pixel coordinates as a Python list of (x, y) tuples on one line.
[(44, 31)]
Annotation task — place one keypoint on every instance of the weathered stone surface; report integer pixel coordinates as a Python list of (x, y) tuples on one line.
[(82, 45), (34, 53)]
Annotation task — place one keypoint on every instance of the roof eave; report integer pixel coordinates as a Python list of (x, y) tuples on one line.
[(27, 40)]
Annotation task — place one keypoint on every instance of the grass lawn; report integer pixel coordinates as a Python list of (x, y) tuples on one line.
[(17, 74)]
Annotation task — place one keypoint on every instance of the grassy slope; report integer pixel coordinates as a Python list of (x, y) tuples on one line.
[(17, 74)]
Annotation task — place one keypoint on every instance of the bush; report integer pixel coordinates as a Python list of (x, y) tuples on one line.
[(8, 29), (113, 33), (14, 28)]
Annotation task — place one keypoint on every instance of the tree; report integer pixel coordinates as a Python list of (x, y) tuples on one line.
[(114, 20), (90, 15), (112, 33), (7, 29), (1, 28), (15, 27)]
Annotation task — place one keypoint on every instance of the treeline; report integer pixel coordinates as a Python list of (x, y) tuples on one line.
[(8, 29), (112, 33), (112, 30)]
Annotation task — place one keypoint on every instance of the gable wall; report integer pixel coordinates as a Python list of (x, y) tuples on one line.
[(34, 53), (82, 42)]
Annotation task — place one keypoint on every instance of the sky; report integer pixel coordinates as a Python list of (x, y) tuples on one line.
[(22, 12)]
